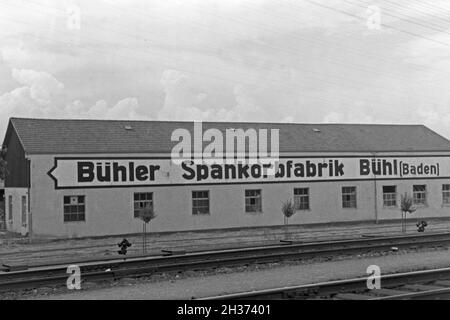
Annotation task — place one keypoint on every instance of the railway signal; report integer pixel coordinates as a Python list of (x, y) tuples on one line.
[(124, 245), (421, 226)]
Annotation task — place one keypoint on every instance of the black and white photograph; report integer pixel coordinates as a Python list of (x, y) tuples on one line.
[(204, 152)]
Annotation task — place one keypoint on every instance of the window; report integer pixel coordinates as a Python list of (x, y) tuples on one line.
[(74, 208), (142, 200), (446, 193), (10, 208), (24, 211), (390, 196), (200, 202), (420, 194), (253, 201), (301, 198), (348, 197)]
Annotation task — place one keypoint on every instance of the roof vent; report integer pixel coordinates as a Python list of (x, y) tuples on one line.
[(128, 127), (316, 130)]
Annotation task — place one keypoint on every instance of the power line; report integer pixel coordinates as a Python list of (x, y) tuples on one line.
[(382, 24), (346, 48), (327, 75), (346, 65), (234, 79), (354, 66), (417, 9), (434, 6), (397, 17)]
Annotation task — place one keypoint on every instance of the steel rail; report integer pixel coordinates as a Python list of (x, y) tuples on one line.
[(428, 294), (330, 288), (114, 269), (375, 232), (428, 238)]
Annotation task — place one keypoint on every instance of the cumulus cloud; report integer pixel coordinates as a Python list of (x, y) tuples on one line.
[(181, 100), (35, 97), (43, 87), (333, 117), (258, 61), (184, 102), (15, 53), (434, 118), (246, 106), (351, 117), (123, 109), (40, 94)]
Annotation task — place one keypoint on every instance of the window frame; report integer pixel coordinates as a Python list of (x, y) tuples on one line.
[(423, 203), (445, 194), (299, 197), (258, 206), (142, 198), (353, 203), (77, 213), (10, 208), (24, 211), (196, 200), (390, 202)]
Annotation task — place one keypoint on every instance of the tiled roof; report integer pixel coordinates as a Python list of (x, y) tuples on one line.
[(52, 136)]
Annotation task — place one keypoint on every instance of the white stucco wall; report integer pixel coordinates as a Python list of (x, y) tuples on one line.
[(110, 210), (16, 194)]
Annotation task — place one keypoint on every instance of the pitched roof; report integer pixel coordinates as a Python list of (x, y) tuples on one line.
[(53, 136)]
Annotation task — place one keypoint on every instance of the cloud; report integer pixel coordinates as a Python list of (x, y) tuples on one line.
[(36, 97), (254, 61), (247, 107), (15, 54), (123, 109), (40, 94), (268, 101), (333, 117), (182, 101), (43, 86), (348, 117), (434, 118)]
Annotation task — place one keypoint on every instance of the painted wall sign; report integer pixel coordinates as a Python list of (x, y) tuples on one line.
[(128, 172)]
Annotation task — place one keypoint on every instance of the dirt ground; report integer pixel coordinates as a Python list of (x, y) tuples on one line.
[(19, 251), (257, 279)]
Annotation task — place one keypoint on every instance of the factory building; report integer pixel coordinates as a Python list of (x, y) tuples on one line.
[(2, 205), (75, 178)]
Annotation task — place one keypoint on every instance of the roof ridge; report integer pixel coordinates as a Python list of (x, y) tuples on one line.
[(222, 122), (65, 136), (435, 133)]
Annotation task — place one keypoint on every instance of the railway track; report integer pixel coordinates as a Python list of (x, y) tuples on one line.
[(144, 266), (416, 285), (105, 248)]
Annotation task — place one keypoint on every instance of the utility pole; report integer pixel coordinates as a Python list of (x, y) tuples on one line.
[(375, 192)]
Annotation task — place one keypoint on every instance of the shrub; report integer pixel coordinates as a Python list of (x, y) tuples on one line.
[(288, 208), (147, 214)]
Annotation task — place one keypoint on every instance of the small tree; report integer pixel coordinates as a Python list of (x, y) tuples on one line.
[(288, 209), (3, 169), (146, 214), (406, 206), (3, 174)]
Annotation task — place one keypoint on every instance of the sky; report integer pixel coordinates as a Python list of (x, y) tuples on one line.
[(302, 61)]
